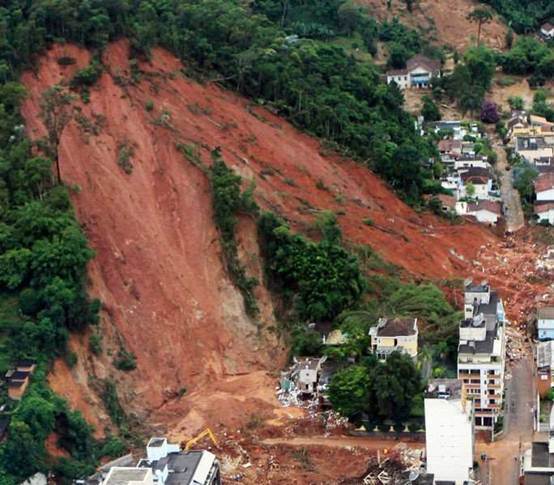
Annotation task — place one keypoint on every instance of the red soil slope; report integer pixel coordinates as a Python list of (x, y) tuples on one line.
[(158, 267)]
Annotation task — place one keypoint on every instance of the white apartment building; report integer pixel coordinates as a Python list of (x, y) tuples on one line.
[(449, 431), (165, 464), (482, 352)]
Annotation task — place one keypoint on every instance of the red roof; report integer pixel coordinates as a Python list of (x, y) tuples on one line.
[(397, 72), (545, 181), (543, 206), (431, 65), (449, 145), (485, 205)]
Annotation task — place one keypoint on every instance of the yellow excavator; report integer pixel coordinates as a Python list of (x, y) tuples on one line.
[(187, 445)]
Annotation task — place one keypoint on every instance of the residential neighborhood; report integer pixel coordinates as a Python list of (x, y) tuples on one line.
[(469, 176)]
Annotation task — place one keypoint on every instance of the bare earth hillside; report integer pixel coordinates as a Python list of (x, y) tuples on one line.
[(443, 21), (158, 268)]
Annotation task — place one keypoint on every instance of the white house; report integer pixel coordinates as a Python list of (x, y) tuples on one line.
[(394, 334), (449, 432), (481, 181), (544, 187), (474, 161), (545, 212), (305, 373), (485, 211), (418, 73), (547, 30)]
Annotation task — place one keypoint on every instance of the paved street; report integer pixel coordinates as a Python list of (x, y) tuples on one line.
[(510, 196), (503, 467)]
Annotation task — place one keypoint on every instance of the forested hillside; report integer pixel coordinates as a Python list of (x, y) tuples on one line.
[(524, 16), (317, 85)]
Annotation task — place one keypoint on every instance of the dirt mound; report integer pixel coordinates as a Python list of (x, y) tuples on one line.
[(441, 21), (158, 268)]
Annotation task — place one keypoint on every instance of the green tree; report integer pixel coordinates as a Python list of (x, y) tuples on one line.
[(430, 111), (393, 386), (470, 190), (349, 390), (480, 16), (56, 112), (516, 102)]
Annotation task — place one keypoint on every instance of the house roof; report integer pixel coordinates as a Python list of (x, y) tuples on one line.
[(545, 181), (449, 145), (393, 327), (546, 313), (479, 346), (19, 375), (397, 72), (420, 60), (541, 458), (485, 205), (447, 200), (543, 206), (25, 363), (476, 175)]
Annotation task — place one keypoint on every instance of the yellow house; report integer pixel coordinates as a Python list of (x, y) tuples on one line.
[(392, 334)]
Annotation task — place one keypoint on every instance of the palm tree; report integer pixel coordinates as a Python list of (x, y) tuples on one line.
[(481, 16)]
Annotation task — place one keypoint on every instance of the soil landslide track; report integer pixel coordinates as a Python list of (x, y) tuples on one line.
[(158, 268)]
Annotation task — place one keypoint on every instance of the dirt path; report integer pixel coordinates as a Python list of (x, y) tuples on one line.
[(503, 464), (510, 196), (341, 442)]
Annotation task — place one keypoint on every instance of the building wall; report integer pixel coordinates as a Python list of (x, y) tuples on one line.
[(406, 343), (401, 80), (532, 155), (486, 216), (546, 334), (546, 216), (546, 195), (545, 328), (448, 439), (480, 383)]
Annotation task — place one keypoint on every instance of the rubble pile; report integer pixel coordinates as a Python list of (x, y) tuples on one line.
[(402, 465)]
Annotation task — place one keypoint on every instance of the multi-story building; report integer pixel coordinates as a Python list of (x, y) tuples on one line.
[(545, 323), (482, 351), (449, 431), (165, 464)]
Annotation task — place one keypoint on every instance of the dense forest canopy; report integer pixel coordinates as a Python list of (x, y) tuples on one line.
[(524, 15)]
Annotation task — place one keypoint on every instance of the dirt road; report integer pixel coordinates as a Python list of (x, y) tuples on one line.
[(503, 465), (342, 442), (510, 196)]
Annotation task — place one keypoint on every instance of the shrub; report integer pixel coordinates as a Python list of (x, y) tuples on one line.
[(95, 343), (125, 153), (70, 359), (149, 105), (87, 76), (125, 360)]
